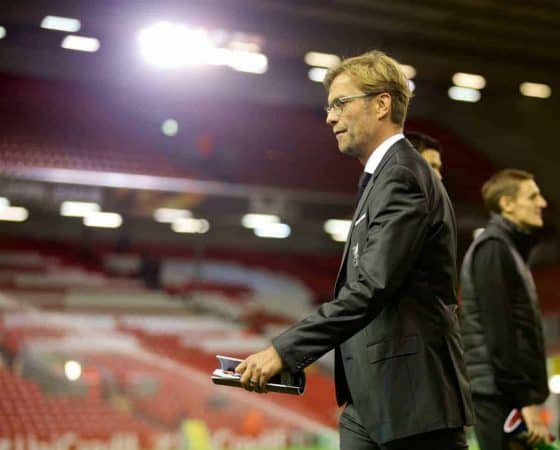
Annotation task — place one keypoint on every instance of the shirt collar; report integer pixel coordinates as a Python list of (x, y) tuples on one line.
[(523, 241), (378, 154)]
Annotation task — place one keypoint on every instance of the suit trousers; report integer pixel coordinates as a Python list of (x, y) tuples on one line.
[(353, 436), (491, 412)]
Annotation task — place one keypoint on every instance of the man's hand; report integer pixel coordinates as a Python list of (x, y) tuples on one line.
[(258, 368), (537, 430)]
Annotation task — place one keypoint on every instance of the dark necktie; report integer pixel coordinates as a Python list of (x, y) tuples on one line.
[(364, 179)]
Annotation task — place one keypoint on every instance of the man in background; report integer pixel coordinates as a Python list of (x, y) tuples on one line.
[(502, 325), (429, 148), (393, 321)]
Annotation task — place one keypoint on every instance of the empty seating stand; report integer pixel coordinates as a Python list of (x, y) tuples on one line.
[(26, 411)]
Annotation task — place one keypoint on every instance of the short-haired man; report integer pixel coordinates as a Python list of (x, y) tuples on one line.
[(393, 320), (502, 326), (429, 148)]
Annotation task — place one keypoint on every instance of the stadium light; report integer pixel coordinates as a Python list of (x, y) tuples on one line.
[(4, 203), (219, 57), (249, 62), (317, 74), (169, 215), (338, 229), (409, 71), (58, 23), (72, 370), (554, 384), (170, 127), (318, 59), (2, 32), (469, 80), (253, 220), (169, 46), (339, 237), (537, 90), (78, 209), (103, 220), (240, 60), (190, 225), (337, 226), (273, 230), (462, 94), (14, 214), (238, 44), (81, 43)]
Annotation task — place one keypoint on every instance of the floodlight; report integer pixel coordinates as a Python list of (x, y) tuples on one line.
[(58, 23), (462, 94), (168, 45)]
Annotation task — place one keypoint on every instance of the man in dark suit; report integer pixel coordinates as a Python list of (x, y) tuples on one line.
[(393, 320)]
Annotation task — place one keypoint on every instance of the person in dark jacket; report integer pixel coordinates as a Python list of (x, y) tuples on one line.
[(393, 320), (429, 148), (502, 324)]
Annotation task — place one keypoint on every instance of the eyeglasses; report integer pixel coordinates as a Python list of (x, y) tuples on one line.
[(338, 104)]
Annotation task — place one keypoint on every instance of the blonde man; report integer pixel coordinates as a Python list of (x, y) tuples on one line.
[(393, 320)]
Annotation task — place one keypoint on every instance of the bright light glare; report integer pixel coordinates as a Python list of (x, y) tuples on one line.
[(219, 57), (538, 90), (337, 226), (257, 220), (242, 61), (67, 24), (469, 80), (170, 127), (2, 32), (103, 220), (409, 71), (339, 237), (169, 215), (78, 209), (4, 203), (249, 62), (462, 94), (14, 214), (317, 74), (169, 46), (318, 59), (189, 225), (554, 384), (72, 370), (273, 230), (411, 85), (241, 46), (80, 43)]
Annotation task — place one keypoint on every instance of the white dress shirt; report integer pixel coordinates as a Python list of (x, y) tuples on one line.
[(378, 154)]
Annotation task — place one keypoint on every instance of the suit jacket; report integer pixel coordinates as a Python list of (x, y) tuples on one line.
[(393, 321)]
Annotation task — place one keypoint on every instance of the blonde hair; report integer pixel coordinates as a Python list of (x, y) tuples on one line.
[(376, 72), (503, 183)]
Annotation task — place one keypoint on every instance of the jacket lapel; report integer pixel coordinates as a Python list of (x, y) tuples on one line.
[(361, 204)]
